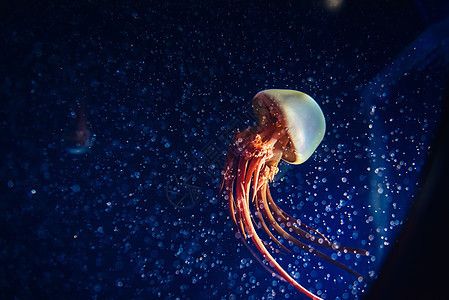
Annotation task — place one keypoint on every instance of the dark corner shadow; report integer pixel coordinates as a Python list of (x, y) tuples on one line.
[(416, 266)]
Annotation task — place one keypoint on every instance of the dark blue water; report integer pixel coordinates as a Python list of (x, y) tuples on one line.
[(116, 120)]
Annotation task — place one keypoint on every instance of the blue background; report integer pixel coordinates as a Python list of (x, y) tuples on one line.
[(164, 87)]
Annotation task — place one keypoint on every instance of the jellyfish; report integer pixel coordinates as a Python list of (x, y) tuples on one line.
[(290, 127), (81, 138)]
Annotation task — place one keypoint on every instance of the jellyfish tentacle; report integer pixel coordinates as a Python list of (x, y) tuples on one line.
[(256, 196), (266, 254), (267, 230), (243, 188), (237, 216), (316, 231), (229, 178), (256, 179), (252, 168), (264, 265), (325, 241), (253, 165), (229, 185), (289, 219), (252, 178), (245, 165), (303, 246), (232, 206), (352, 250), (240, 179), (234, 212)]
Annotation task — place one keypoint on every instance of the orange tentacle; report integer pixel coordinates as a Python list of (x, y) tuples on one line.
[(266, 254)]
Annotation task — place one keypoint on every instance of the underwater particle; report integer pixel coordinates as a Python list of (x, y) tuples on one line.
[(290, 127), (75, 188)]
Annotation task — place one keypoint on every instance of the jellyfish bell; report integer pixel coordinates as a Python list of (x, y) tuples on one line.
[(290, 127), (297, 115)]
